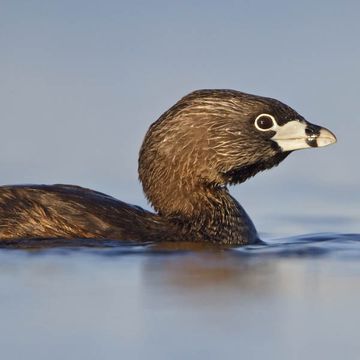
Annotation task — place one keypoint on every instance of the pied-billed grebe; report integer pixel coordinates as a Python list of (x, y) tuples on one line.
[(207, 140)]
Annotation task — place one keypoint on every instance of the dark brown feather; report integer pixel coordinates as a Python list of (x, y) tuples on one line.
[(204, 142)]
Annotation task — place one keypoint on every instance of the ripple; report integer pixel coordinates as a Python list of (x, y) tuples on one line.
[(309, 245)]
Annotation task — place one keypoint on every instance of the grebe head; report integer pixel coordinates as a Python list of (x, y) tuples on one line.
[(211, 138)]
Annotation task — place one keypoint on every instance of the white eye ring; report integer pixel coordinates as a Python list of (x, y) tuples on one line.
[(262, 122)]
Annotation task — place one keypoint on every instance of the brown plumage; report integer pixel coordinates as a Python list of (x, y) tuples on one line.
[(209, 139)]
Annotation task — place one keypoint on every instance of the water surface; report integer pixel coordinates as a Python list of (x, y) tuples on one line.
[(293, 298), (80, 84)]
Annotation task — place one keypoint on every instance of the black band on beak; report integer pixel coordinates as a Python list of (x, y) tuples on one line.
[(312, 132)]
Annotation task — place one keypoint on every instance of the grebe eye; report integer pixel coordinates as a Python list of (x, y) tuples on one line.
[(265, 122)]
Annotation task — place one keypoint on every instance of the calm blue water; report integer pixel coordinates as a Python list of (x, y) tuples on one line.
[(80, 84), (294, 298)]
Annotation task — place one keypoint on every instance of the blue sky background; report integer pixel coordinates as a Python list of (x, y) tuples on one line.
[(81, 81)]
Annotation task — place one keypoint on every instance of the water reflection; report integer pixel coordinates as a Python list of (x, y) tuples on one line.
[(292, 298), (217, 270)]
